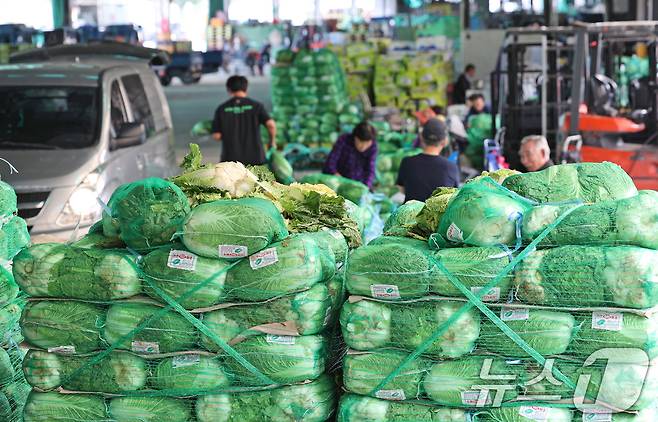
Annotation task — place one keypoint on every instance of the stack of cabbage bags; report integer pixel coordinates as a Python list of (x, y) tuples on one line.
[(309, 97), (230, 320), (13, 237), (495, 292)]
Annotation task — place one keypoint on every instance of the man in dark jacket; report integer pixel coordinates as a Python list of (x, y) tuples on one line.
[(237, 125), (463, 84)]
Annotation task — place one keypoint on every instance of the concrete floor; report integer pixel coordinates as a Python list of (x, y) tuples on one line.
[(191, 103)]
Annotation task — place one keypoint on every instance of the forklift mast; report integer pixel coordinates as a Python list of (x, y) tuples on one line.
[(550, 76)]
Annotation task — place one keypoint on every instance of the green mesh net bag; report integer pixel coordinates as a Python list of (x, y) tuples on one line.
[(589, 182), (14, 236), (483, 213), (626, 221), (403, 219), (13, 387), (146, 213), (233, 228), (8, 204), (355, 408), (576, 276)]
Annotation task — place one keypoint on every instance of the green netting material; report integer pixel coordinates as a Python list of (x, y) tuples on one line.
[(145, 214)]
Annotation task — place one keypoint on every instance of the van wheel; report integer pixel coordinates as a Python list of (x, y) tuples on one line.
[(165, 80)]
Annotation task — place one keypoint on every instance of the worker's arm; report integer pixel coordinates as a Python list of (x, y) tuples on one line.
[(271, 129), (401, 175), (372, 166), (217, 136)]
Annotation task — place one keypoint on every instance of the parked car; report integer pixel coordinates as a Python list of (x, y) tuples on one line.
[(186, 66), (76, 130)]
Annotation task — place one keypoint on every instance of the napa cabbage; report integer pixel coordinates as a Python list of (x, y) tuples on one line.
[(191, 372), (146, 213), (427, 220), (370, 325), (48, 407), (310, 402), (356, 408), (388, 271), (118, 372), (149, 409), (62, 271), (289, 266), (589, 182), (233, 228), (284, 359), (303, 313), (164, 334), (56, 324), (403, 219), (548, 332), (177, 278), (527, 413)]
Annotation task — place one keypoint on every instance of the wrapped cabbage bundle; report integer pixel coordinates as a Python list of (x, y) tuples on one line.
[(8, 202), (189, 372), (362, 373), (303, 313), (430, 215), (400, 241), (284, 359), (355, 408), (60, 271), (548, 332), (615, 330), (627, 221), (527, 413), (481, 214), (145, 213), (68, 326), (177, 271), (8, 287), (118, 372), (451, 382), (389, 272), (368, 325), (310, 402), (589, 182), (14, 236), (403, 219), (149, 409), (233, 228), (475, 268), (331, 240), (164, 334), (289, 266), (576, 276), (48, 407)]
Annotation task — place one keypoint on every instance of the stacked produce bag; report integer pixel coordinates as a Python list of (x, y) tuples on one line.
[(206, 303), (411, 82), (531, 300), (309, 97), (13, 237)]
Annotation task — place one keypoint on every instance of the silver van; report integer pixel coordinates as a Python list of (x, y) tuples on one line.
[(75, 128)]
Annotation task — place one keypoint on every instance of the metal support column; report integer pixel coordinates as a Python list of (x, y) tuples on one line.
[(61, 13), (579, 63)]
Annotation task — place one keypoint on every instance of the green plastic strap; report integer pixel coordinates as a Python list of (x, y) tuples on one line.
[(214, 337), (475, 297), (102, 355)]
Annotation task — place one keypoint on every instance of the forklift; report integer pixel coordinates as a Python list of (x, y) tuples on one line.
[(590, 89)]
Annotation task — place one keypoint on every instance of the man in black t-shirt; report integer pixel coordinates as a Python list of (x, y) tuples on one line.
[(421, 174), (237, 125)]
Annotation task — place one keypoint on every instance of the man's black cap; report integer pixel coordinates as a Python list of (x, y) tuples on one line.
[(434, 130)]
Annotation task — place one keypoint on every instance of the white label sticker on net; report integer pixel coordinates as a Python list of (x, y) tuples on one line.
[(385, 291), (145, 347), (514, 314), (493, 295), (597, 417), (276, 339), (232, 251), (63, 350), (472, 398), (454, 233), (185, 360), (263, 258), (535, 413), (327, 316), (390, 394), (181, 260), (610, 321)]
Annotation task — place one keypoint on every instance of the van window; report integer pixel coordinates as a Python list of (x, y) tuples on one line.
[(118, 114), (44, 117), (139, 102)]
